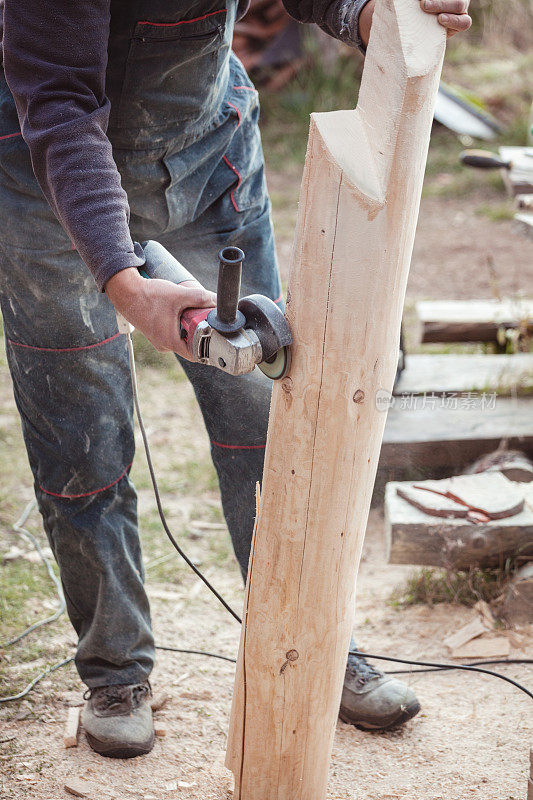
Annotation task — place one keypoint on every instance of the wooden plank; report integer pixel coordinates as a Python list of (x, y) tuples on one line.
[(487, 647), (452, 432), (70, 734), (518, 179), (359, 204), (489, 493), (471, 320), (417, 538), (526, 219), (444, 374)]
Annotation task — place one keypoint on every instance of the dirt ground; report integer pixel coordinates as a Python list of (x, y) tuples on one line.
[(471, 739)]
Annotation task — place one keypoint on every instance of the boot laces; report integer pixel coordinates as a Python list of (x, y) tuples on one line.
[(359, 668), (111, 696)]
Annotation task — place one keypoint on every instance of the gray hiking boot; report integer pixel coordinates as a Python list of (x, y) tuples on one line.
[(118, 720), (373, 701)]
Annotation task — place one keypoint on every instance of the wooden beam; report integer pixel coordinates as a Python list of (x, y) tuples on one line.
[(443, 432), (358, 210), (444, 374), (414, 537), (519, 178), (472, 320)]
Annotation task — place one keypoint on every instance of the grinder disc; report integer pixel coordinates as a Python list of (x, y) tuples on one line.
[(278, 366)]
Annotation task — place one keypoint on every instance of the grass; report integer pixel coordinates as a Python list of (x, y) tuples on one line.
[(496, 212), (285, 114), (429, 586)]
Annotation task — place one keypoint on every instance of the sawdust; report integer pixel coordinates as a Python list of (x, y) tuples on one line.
[(470, 740)]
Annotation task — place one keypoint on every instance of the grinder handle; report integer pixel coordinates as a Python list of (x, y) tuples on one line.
[(162, 264), (483, 159)]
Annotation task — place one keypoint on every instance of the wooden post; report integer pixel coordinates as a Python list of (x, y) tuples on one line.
[(358, 210)]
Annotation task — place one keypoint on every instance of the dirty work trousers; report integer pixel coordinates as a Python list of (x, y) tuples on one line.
[(70, 372)]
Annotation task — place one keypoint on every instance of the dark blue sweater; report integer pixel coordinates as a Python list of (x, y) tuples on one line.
[(55, 58)]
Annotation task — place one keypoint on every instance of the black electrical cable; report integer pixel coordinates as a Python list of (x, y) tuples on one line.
[(437, 666), (36, 680), (196, 653), (18, 528), (443, 667), (187, 560), (472, 664), (428, 666)]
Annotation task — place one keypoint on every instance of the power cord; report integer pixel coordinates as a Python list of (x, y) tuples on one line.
[(197, 572), (437, 667), (428, 666), (18, 528)]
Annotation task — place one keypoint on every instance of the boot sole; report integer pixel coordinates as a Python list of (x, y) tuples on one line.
[(119, 749), (406, 713)]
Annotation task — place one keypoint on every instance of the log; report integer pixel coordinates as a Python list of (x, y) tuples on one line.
[(472, 320), (515, 465), (358, 210), (443, 432), (490, 494), (413, 537), (451, 374)]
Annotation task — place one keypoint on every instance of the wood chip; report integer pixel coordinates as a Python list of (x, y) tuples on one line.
[(159, 701), (485, 613), (223, 775), (70, 734), (494, 647), (465, 634), (81, 788)]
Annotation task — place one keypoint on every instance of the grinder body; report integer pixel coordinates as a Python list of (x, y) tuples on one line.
[(236, 335)]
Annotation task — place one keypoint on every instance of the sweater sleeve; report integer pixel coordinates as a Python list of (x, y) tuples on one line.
[(338, 18), (55, 58)]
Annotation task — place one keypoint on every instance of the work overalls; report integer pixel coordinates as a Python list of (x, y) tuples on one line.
[(184, 131)]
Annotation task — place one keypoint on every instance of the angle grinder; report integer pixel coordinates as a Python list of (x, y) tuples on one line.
[(237, 335)]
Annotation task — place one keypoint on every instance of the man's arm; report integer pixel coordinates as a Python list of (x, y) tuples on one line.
[(55, 58), (350, 20)]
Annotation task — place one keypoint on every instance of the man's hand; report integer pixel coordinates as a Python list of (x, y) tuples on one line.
[(154, 307), (451, 14)]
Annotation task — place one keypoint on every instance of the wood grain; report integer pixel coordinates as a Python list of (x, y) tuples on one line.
[(358, 210)]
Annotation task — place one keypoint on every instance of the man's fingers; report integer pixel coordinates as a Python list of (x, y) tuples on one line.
[(198, 298), (451, 14), (455, 22), (451, 7)]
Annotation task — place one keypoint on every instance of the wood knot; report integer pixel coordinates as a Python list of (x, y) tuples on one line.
[(359, 396), (291, 656), (286, 385)]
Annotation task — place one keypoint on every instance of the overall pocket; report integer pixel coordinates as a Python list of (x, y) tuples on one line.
[(171, 71), (243, 157)]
